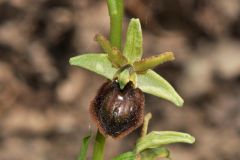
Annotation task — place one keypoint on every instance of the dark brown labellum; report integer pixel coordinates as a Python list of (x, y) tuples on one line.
[(118, 112)]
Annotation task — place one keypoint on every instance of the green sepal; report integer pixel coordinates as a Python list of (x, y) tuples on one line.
[(95, 62), (152, 83), (152, 62), (114, 54), (126, 156), (84, 148), (158, 139), (154, 153), (133, 47)]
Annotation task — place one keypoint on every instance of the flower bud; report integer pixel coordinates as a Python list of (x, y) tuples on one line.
[(117, 112)]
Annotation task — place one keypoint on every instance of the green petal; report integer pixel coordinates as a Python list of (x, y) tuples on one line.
[(114, 55), (133, 47), (95, 62), (158, 139), (153, 153), (84, 148), (152, 83), (126, 156), (152, 62)]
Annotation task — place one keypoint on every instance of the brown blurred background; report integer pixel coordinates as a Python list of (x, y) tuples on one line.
[(44, 101)]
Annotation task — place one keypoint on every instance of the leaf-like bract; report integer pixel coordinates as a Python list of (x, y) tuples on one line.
[(126, 156), (153, 153), (158, 139)]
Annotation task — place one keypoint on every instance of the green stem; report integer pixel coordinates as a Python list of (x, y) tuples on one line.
[(99, 147), (115, 8)]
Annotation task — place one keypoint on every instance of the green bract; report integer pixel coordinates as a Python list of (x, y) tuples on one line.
[(128, 66), (158, 139), (151, 146), (126, 156), (153, 153), (148, 154)]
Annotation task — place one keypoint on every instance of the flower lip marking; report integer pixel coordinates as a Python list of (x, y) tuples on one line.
[(120, 97)]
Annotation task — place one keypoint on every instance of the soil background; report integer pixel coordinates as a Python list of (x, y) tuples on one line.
[(44, 101)]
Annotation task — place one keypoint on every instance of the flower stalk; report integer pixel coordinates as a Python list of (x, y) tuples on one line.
[(116, 9)]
